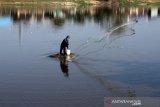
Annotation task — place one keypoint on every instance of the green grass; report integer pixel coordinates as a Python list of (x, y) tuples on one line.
[(156, 3), (123, 2), (80, 3), (137, 3)]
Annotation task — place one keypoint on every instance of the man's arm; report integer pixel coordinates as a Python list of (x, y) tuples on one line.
[(67, 43)]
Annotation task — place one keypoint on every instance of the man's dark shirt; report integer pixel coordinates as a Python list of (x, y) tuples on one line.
[(65, 43)]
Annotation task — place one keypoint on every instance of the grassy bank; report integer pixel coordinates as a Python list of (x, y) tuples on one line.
[(48, 2), (138, 2)]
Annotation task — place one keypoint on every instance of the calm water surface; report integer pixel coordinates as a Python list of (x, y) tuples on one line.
[(117, 54)]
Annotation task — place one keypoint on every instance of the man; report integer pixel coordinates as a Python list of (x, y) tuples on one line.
[(64, 45)]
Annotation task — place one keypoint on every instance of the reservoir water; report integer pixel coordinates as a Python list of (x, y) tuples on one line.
[(117, 55)]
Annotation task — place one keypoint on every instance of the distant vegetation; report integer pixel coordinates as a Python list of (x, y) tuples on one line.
[(81, 2), (46, 0), (49, 2), (138, 2), (123, 2)]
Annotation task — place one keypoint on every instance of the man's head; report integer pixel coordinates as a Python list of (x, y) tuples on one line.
[(68, 37)]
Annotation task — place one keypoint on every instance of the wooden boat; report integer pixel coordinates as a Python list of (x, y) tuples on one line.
[(63, 57)]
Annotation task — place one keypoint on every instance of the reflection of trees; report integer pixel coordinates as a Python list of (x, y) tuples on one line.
[(79, 18), (78, 15), (106, 17), (118, 20), (58, 21), (102, 13), (17, 16)]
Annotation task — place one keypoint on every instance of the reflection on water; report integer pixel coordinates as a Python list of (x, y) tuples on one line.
[(58, 16), (64, 67), (116, 55)]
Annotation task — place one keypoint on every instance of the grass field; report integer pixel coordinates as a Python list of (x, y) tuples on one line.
[(138, 2), (25, 0), (48, 2)]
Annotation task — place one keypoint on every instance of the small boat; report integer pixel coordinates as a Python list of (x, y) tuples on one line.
[(63, 57)]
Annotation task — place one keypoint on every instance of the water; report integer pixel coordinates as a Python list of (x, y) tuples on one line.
[(117, 54)]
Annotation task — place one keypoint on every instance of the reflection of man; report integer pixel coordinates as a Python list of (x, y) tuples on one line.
[(64, 67)]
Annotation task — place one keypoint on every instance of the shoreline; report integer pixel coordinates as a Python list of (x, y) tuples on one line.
[(126, 3), (57, 3), (77, 3)]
